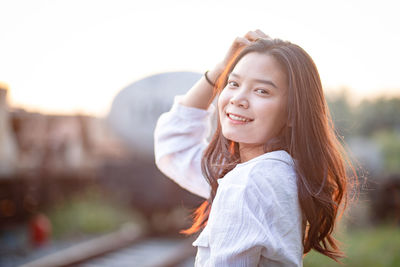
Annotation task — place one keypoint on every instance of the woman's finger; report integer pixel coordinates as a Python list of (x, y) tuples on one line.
[(261, 34), (242, 41), (254, 35), (251, 36)]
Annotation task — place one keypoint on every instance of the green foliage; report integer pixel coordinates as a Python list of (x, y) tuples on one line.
[(88, 213), (377, 115), (366, 118), (378, 120), (373, 247)]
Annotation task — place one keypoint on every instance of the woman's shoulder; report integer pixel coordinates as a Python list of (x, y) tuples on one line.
[(276, 162), (274, 170)]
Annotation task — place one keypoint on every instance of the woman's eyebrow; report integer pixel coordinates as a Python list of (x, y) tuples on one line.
[(256, 80)]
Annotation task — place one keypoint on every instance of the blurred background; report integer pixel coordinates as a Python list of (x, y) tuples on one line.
[(82, 84)]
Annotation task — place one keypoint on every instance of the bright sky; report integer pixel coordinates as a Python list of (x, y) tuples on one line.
[(69, 56)]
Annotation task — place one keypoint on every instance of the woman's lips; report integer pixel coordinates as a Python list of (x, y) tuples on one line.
[(238, 118)]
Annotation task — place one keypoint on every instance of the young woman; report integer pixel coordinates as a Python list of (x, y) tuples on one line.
[(273, 174)]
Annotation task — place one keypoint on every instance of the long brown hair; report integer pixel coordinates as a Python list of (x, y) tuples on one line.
[(309, 137)]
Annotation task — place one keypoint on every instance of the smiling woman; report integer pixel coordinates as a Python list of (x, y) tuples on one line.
[(252, 107), (274, 173)]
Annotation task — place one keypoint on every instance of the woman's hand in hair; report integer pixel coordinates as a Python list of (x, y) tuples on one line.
[(201, 94), (236, 46)]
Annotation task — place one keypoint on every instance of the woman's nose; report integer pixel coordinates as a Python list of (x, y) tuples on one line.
[(240, 100)]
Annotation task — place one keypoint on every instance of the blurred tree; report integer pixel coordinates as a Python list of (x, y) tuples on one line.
[(342, 112), (376, 120), (365, 119), (378, 114)]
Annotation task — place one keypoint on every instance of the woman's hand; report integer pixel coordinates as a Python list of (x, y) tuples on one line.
[(237, 45), (201, 94)]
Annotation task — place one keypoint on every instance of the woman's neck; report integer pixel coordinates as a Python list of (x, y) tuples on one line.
[(250, 151)]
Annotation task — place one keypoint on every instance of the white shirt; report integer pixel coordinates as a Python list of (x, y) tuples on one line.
[(255, 219)]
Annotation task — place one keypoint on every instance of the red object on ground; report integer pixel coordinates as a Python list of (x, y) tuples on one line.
[(40, 229)]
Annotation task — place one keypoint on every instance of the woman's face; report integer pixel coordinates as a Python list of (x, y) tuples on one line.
[(252, 106)]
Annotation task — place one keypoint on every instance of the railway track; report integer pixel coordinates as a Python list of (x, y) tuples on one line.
[(152, 252), (126, 247)]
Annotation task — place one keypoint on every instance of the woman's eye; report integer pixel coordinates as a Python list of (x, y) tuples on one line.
[(262, 91), (233, 84)]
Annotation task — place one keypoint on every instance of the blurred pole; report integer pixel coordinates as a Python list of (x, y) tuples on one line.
[(8, 146)]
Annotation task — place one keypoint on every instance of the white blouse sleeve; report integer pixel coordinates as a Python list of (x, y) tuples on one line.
[(257, 222), (179, 141)]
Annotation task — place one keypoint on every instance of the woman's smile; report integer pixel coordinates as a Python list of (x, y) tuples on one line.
[(238, 119)]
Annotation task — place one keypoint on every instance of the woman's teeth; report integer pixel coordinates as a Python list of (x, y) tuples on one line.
[(237, 118)]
